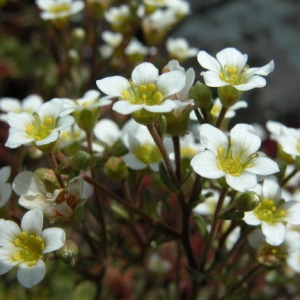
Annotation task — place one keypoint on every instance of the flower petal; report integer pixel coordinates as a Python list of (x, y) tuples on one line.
[(113, 86), (241, 183), (171, 82), (274, 233), (204, 163), (32, 221), (54, 238), (208, 62), (6, 263), (263, 166), (144, 73), (124, 107), (30, 276)]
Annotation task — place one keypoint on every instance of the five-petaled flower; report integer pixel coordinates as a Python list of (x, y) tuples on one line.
[(234, 157), (26, 247), (147, 94), (40, 129), (230, 69), (273, 212)]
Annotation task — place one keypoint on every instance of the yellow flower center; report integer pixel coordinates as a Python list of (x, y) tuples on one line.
[(188, 152), (272, 255), (59, 8), (231, 75), (267, 211), (143, 94), (148, 154), (28, 248), (298, 146), (233, 165), (40, 129)]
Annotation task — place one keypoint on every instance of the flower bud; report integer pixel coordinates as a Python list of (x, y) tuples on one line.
[(201, 94), (68, 252), (144, 117), (247, 201), (80, 161)]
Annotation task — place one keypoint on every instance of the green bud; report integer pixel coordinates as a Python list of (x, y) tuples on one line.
[(202, 95), (115, 168), (68, 252), (247, 201), (119, 211), (177, 125), (80, 161), (229, 95), (78, 34)]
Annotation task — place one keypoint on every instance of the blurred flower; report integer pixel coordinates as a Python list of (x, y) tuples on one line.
[(273, 255), (86, 110), (178, 48), (143, 151), (59, 203), (5, 187), (29, 104), (56, 9), (119, 17), (40, 129), (272, 213), (234, 157), (25, 247), (230, 68), (112, 40)]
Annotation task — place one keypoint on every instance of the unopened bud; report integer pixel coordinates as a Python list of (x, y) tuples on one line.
[(247, 201), (80, 161), (201, 94), (68, 252)]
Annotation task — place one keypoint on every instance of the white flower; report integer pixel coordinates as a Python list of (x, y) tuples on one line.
[(56, 9), (107, 131), (26, 247), (112, 40), (41, 128), (143, 151), (179, 48), (135, 47), (58, 203), (70, 135), (29, 104), (273, 212), (117, 15), (234, 157), (230, 68), (90, 100), (5, 187), (275, 254), (148, 90)]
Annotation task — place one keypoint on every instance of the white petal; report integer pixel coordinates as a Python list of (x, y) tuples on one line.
[(271, 189), (256, 238), (208, 62), (263, 71), (293, 212), (20, 120), (205, 165), (52, 137), (244, 141), (251, 219), (113, 86), (17, 138), (133, 162), (30, 276), (144, 73), (6, 263), (8, 232), (166, 106), (107, 131), (171, 82), (124, 107), (213, 138), (253, 82), (5, 193), (26, 182), (263, 166), (65, 122), (241, 183), (274, 233), (54, 238), (4, 174), (232, 57), (51, 108), (32, 221), (212, 79)]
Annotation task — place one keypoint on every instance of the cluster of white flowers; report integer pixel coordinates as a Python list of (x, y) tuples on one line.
[(230, 159)]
